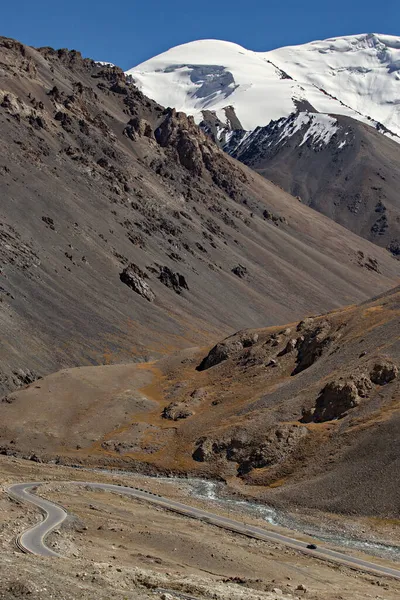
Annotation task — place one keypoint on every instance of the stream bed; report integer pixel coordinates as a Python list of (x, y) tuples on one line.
[(215, 492)]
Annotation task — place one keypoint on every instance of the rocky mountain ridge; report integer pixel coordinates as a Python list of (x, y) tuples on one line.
[(109, 201), (334, 164)]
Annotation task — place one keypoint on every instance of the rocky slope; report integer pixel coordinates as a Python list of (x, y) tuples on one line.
[(340, 167), (303, 415), (126, 233)]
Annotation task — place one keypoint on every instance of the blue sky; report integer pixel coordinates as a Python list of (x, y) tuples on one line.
[(129, 32)]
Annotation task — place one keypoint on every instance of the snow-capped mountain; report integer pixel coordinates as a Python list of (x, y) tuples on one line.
[(356, 76)]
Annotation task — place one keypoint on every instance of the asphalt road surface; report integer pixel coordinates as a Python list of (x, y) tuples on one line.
[(33, 540)]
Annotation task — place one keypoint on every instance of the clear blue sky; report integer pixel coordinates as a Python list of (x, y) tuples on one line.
[(128, 32)]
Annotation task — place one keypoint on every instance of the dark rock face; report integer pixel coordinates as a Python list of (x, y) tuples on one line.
[(49, 221), (239, 271), (331, 177), (134, 278), (394, 247), (228, 348), (313, 342), (221, 131), (24, 377), (290, 347), (175, 281), (18, 379), (367, 262), (137, 128), (384, 372)]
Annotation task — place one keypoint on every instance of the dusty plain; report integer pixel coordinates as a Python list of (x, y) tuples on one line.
[(115, 547)]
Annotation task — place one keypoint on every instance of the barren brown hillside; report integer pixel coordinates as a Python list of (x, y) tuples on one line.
[(307, 413)]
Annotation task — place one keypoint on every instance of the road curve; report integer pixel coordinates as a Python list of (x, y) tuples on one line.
[(33, 540)]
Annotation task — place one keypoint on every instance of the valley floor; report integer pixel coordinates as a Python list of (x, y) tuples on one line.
[(116, 547)]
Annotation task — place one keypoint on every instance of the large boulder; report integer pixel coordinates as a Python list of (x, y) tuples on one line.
[(384, 372), (134, 278)]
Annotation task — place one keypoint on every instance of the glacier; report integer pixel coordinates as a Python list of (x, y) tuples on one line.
[(357, 76)]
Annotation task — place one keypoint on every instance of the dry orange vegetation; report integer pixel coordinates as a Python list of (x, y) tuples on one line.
[(155, 415)]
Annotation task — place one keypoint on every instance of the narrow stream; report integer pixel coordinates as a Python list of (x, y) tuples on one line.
[(213, 491)]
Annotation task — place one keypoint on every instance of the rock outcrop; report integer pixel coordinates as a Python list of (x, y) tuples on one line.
[(180, 132), (134, 278), (275, 219), (229, 347), (175, 281), (138, 128), (176, 411), (334, 402), (384, 372), (315, 338), (18, 379), (251, 451), (195, 151), (338, 397), (239, 271)]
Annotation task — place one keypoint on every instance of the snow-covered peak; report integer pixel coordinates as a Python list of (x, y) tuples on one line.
[(316, 130), (362, 71), (103, 63), (357, 76)]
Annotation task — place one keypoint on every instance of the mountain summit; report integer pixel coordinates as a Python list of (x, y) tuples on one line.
[(357, 76)]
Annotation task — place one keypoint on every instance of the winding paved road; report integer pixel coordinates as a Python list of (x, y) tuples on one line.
[(33, 540)]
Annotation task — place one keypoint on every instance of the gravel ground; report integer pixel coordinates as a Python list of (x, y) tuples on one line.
[(115, 547)]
